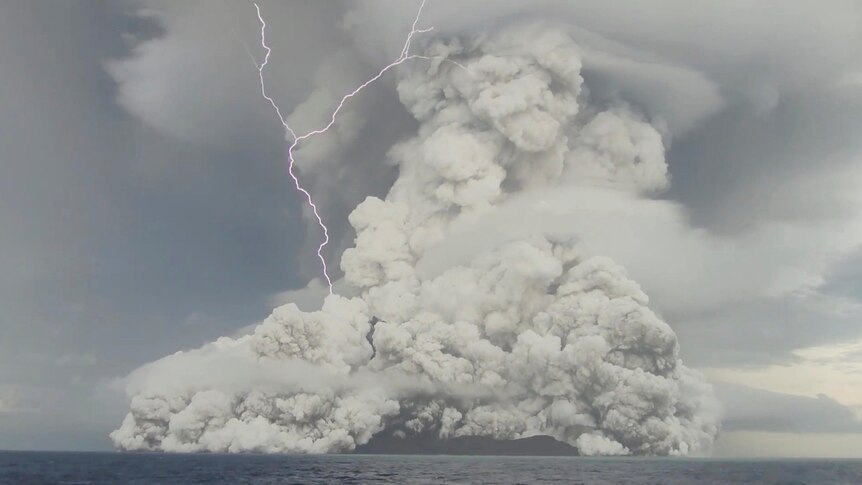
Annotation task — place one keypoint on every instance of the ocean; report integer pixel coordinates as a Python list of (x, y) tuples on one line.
[(38, 468)]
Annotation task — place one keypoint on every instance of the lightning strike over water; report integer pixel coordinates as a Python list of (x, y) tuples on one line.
[(405, 56)]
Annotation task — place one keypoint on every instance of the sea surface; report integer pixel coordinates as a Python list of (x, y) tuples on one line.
[(119, 468)]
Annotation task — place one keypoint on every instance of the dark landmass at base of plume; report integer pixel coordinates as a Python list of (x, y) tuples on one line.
[(466, 445)]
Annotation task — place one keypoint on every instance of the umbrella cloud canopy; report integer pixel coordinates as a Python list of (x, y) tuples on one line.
[(526, 333)]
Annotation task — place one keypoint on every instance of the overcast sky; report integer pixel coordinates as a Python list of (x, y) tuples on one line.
[(145, 207)]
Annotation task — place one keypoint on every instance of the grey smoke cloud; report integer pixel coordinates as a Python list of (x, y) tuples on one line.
[(563, 337)]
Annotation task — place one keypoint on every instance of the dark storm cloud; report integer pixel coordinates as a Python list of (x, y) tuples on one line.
[(114, 235), (745, 167), (767, 331)]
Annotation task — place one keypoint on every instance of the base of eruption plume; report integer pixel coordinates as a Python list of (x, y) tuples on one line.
[(589, 365), (386, 444)]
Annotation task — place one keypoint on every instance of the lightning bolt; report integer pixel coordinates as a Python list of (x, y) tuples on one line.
[(298, 138), (403, 57)]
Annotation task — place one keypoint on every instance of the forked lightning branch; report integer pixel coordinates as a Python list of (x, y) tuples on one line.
[(295, 139)]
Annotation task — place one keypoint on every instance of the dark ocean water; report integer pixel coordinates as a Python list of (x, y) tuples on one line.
[(116, 468)]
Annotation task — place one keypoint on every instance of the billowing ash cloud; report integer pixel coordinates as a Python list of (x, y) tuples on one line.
[(536, 335)]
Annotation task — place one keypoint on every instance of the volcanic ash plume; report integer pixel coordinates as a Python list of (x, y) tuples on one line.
[(534, 336)]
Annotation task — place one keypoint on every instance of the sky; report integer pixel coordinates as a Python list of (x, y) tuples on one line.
[(146, 207)]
